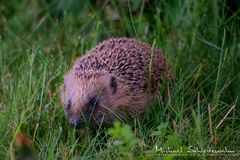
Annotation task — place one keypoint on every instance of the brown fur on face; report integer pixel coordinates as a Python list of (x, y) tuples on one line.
[(119, 77), (79, 92)]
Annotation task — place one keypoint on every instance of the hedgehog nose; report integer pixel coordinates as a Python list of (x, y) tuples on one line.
[(75, 123)]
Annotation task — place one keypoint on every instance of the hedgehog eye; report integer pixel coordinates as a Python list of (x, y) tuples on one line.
[(94, 102), (113, 84), (69, 104)]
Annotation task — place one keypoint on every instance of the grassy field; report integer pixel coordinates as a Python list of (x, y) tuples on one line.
[(40, 40)]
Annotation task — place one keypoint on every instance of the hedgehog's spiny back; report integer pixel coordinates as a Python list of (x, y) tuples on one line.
[(127, 59)]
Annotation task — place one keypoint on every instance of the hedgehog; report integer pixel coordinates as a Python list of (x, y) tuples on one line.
[(118, 78)]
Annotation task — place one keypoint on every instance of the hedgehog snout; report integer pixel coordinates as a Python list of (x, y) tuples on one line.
[(73, 118)]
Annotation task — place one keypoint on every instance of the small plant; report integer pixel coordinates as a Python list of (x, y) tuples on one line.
[(123, 138)]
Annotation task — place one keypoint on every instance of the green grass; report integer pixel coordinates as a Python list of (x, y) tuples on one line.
[(40, 41)]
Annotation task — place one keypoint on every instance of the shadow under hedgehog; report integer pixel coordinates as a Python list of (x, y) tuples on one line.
[(117, 78)]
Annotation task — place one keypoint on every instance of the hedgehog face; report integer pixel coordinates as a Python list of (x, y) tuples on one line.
[(88, 101)]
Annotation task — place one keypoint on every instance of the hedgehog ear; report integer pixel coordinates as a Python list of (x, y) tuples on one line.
[(113, 84)]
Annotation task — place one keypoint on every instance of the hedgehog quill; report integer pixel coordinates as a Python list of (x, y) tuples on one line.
[(117, 78)]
